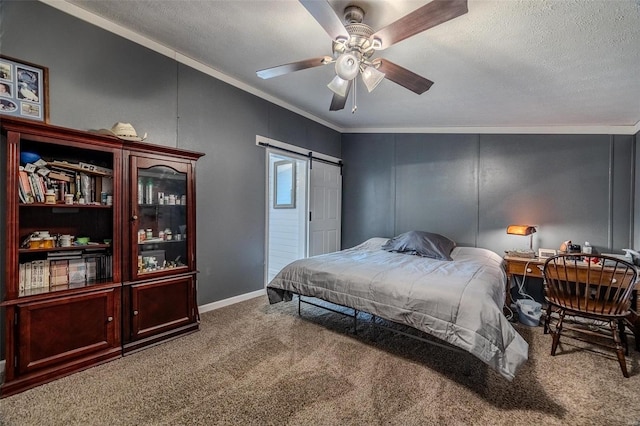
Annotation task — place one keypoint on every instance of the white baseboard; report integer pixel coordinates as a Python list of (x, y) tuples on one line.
[(230, 301)]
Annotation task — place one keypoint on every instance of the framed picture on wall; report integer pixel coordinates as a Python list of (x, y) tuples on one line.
[(24, 89)]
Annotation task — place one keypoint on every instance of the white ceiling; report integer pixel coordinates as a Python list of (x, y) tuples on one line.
[(506, 64)]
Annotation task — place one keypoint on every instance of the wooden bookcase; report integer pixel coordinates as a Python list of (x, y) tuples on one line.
[(70, 307)]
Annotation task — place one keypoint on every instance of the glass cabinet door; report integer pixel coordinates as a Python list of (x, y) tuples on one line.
[(160, 204)]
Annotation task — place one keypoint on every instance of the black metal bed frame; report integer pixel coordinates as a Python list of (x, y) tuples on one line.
[(376, 324)]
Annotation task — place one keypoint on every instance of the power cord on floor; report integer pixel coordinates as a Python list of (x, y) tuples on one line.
[(509, 315), (521, 291)]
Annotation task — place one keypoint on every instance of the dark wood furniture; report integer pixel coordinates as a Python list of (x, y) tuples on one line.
[(532, 267), (523, 267), (159, 292), (106, 304), (598, 289)]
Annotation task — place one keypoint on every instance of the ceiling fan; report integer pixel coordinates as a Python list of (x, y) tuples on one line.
[(355, 43)]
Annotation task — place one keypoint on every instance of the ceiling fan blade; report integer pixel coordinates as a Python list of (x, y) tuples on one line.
[(338, 102), (326, 17), (421, 19), (294, 66), (403, 76)]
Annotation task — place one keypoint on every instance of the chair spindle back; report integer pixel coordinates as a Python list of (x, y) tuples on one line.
[(597, 285)]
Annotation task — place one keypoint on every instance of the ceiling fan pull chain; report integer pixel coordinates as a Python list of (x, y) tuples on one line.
[(355, 107)]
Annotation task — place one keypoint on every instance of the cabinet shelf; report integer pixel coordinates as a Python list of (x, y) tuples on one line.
[(151, 242), (161, 205), (61, 205), (26, 296), (70, 248), (174, 269)]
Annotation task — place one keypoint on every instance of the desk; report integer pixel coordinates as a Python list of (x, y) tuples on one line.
[(522, 267), (531, 267)]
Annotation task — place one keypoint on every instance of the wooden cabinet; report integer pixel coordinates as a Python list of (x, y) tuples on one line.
[(82, 324), (59, 335), (159, 290), (159, 309), (62, 303), (76, 290)]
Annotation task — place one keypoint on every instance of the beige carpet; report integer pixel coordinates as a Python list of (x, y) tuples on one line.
[(254, 364)]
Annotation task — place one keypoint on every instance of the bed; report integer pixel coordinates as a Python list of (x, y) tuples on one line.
[(457, 299)]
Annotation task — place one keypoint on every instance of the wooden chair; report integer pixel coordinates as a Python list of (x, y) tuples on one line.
[(584, 288)]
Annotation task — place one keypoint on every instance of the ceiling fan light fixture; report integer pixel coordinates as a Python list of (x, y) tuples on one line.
[(347, 66), (371, 77), (355, 42), (339, 86)]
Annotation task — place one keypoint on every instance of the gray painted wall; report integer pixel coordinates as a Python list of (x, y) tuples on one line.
[(470, 187)]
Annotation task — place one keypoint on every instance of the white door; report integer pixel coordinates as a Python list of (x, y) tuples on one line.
[(325, 203)]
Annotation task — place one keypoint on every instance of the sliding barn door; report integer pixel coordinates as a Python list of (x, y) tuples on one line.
[(325, 203), (303, 212)]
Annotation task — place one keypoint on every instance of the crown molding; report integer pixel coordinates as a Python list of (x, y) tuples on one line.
[(114, 28), (515, 130)]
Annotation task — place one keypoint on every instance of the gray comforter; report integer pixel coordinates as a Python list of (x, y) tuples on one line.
[(457, 301)]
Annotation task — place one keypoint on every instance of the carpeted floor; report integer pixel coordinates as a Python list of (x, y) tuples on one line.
[(254, 364)]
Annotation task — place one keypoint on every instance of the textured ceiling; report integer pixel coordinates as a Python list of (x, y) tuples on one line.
[(504, 64)]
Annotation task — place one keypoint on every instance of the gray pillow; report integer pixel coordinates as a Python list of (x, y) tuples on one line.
[(421, 243)]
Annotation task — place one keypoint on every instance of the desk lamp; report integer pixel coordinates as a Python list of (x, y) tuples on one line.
[(523, 230)]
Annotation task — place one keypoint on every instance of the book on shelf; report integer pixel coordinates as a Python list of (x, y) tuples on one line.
[(59, 270), (45, 274), (22, 195), (27, 276), (68, 254), (81, 167), (21, 277), (34, 184), (36, 274), (101, 262), (43, 171), (82, 179), (25, 186), (91, 269), (42, 188), (96, 169), (60, 176), (39, 274), (77, 271)]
